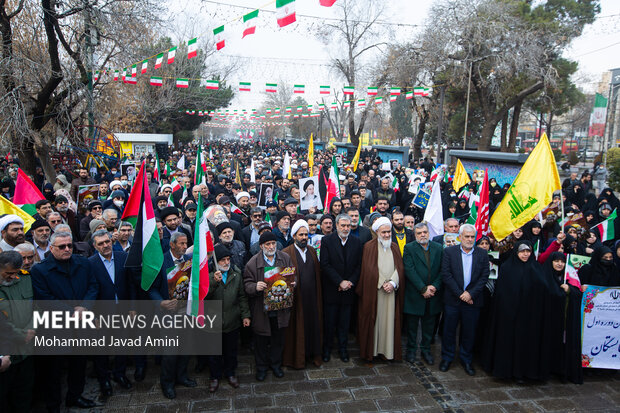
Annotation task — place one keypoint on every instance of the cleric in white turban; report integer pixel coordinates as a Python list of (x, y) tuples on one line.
[(12, 235)]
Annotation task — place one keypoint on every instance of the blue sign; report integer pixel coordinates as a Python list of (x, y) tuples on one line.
[(421, 199)]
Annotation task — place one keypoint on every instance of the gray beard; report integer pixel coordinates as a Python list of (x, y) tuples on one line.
[(6, 283), (386, 244)]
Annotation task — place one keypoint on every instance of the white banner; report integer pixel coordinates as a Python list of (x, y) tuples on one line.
[(600, 327)]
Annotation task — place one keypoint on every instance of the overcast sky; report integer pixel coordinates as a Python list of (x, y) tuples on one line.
[(293, 55)]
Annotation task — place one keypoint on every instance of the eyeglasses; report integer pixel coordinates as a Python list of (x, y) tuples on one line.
[(257, 216), (55, 221), (64, 246)]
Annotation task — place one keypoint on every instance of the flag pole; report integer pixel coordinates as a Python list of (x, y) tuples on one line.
[(562, 220)]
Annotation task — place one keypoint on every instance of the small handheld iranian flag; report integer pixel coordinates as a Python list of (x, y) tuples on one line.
[(333, 184), (299, 88), (213, 84), (348, 90), (324, 90), (145, 65), (245, 86), (182, 83), (192, 48), (249, 21), (158, 60), (172, 52), (574, 263), (220, 41), (395, 184), (271, 87), (606, 228), (156, 81), (285, 12), (372, 91)]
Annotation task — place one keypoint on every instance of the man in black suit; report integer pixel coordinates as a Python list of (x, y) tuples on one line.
[(465, 271), (340, 264), (172, 224), (358, 230), (114, 285)]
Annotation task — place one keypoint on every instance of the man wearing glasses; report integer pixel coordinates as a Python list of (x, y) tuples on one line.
[(65, 276), (93, 211), (250, 233)]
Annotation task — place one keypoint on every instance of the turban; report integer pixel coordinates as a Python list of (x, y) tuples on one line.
[(241, 195), (381, 222), (300, 223), (164, 186), (114, 183), (6, 220)]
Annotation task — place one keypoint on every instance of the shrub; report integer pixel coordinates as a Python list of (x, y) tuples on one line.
[(573, 159), (613, 168)]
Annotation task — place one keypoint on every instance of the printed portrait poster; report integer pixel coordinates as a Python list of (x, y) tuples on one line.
[(265, 194), (600, 328), (450, 240), (130, 170), (279, 291), (309, 193), (216, 215), (178, 280), (393, 164), (494, 269), (87, 193)]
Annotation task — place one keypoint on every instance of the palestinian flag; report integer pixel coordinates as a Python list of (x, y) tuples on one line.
[(26, 193), (372, 91), (245, 86), (394, 91), (182, 83), (348, 90), (249, 21), (333, 184), (192, 48), (324, 90), (156, 81), (146, 243), (172, 52), (158, 60), (199, 279), (145, 65), (271, 87), (285, 12), (299, 88), (220, 41), (605, 229)]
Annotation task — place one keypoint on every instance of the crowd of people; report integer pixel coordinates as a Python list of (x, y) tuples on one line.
[(367, 266)]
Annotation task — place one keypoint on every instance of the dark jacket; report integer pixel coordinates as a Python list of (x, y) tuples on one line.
[(409, 237), (281, 238), (232, 294), (122, 288), (339, 263), (363, 234), (452, 275), (167, 235), (253, 273), (419, 276), (73, 280)]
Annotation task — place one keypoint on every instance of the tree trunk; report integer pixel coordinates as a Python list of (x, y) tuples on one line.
[(487, 133), (549, 124), (27, 158), (417, 141), (514, 126), (504, 133)]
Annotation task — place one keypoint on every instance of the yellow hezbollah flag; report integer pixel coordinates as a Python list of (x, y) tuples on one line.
[(531, 191), (311, 155), (356, 158), (460, 177), (7, 207)]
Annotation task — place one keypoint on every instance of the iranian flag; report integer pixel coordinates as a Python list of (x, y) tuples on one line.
[(395, 184), (235, 209), (249, 20), (299, 88), (321, 107), (277, 111), (200, 176), (439, 171), (285, 12), (310, 108), (421, 91), (158, 60), (333, 184), (394, 91), (156, 171), (146, 243), (347, 103), (192, 48), (116, 72), (482, 209), (605, 229), (134, 70), (409, 95), (124, 74), (598, 116), (245, 86), (145, 65), (156, 81), (199, 278), (271, 87), (132, 80), (378, 100), (172, 52), (220, 40), (393, 98), (327, 3), (96, 76), (182, 83), (372, 91), (300, 108), (288, 109), (324, 90), (26, 193), (361, 103), (348, 90), (175, 184)]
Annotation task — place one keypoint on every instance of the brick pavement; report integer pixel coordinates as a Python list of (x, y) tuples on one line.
[(360, 387)]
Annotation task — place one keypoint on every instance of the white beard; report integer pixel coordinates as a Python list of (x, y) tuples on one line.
[(386, 244)]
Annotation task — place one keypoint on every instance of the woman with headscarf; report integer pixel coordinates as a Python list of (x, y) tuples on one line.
[(589, 244), (62, 183), (608, 195), (562, 326), (575, 195), (515, 331), (532, 231), (335, 207), (485, 312), (462, 210), (495, 197), (590, 204), (450, 210), (600, 270), (48, 192)]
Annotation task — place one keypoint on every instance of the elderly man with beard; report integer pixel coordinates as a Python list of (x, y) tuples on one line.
[(381, 295), (41, 233), (268, 327), (226, 234), (304, 332), (340, 266), (28, 254), (12, 230)]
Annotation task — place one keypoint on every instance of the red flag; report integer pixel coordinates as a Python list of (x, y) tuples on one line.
[(132, 209), (482, 220)]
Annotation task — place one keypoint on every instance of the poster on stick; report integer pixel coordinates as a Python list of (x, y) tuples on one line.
[(600, 327)]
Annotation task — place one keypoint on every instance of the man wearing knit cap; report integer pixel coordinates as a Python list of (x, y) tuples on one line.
[(304, 333), (226, 234), (282, 228), (12, 230), (172, 223), (268, 327), (380, 290)]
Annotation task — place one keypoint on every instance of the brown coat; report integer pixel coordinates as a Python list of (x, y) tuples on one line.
[(367, 304), (253, 273), (294, 340)]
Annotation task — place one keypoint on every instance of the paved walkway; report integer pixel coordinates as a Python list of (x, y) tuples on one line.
[(359, 387)]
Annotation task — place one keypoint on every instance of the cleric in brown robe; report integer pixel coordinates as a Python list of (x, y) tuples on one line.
[(304, 334), (381, 291)]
